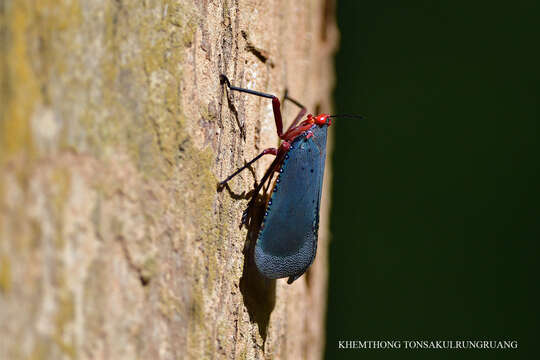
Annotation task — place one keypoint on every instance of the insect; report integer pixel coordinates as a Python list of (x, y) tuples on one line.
[(287, 240)]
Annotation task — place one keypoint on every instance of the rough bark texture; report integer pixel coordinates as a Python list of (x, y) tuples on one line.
[(115, 242)]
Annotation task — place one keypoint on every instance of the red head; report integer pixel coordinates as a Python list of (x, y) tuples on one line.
[(322, 119)]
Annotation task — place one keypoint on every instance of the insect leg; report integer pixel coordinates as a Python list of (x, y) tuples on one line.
[(275, 165), (275, 102), (272, 151), (300, 115)]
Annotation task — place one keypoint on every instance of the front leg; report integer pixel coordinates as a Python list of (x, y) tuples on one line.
[(276, 106)]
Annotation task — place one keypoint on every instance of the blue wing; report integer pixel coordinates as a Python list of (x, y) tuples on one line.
[(287, 242)]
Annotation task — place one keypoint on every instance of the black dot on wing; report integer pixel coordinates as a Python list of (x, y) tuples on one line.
[(311, 170)]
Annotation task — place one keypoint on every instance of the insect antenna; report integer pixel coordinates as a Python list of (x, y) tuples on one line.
[(351, 116)]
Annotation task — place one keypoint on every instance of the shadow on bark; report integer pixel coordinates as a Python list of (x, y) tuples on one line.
[(259, 293)]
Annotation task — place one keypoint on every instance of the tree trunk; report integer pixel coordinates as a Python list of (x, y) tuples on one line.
[(115, 241)]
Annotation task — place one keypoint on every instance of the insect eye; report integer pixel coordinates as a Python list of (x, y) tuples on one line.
[(322, 119)]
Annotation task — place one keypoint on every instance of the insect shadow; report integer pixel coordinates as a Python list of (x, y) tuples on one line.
[(243, 194), (233, 109), (258, 292)]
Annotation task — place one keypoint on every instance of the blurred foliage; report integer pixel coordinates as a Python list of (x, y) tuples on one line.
[(435, 219)]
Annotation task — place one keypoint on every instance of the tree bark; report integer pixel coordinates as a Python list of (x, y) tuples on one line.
[(115, 241)]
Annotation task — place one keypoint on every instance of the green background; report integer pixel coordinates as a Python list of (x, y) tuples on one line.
[(435, 209)]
